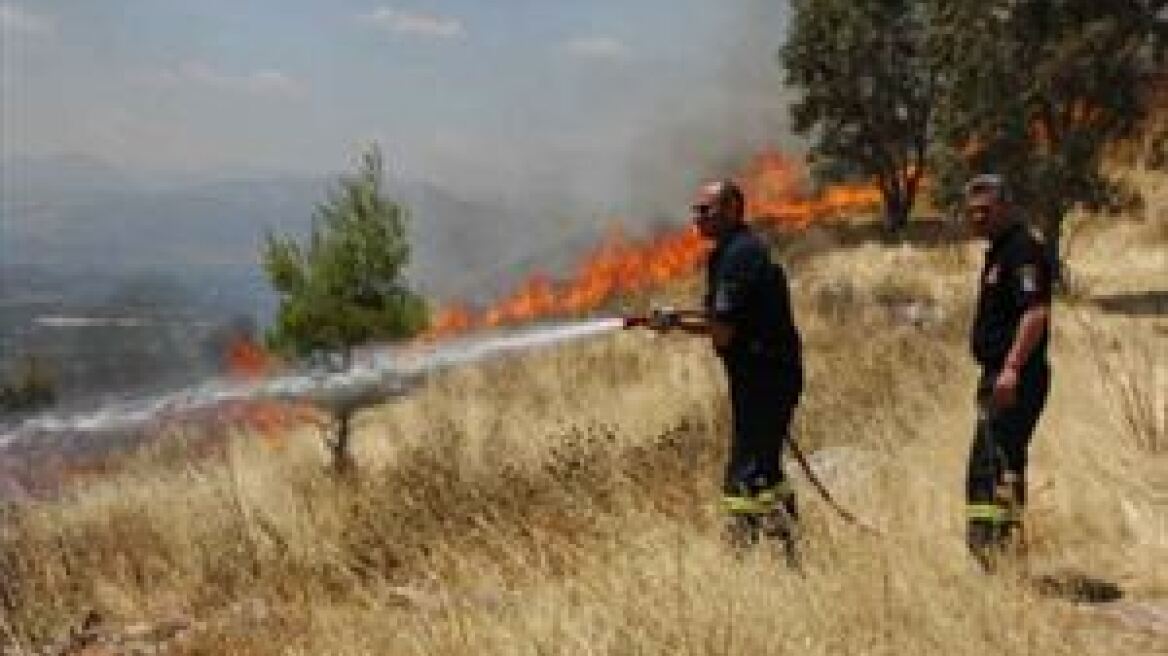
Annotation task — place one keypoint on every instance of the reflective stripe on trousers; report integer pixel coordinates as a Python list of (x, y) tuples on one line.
[(992, 513), (760, 503)]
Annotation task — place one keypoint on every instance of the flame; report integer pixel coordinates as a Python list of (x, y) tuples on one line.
[(451, 320), (619, 265), (772, 183), (247, 359), (773, 186), (270, 420), (1079, 114)]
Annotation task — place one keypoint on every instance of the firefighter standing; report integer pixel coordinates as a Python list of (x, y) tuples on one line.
[(747, 315), (1009, 341)]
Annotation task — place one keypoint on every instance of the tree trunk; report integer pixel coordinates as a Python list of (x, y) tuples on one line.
[(342, 456), (1051, 229), (896, 211)]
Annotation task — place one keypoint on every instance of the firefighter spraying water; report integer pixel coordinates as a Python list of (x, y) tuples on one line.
[(665, 318), (746, 314)]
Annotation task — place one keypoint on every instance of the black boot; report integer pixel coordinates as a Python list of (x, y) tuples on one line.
[(985, 539), (743, 531), (782, 526)]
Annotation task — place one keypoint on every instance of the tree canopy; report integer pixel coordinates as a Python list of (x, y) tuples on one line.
[(869, 85), (347, 285), (1038, 89), (1032, 89)]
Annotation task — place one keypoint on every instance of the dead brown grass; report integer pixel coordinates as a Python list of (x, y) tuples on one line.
[(563, 502)]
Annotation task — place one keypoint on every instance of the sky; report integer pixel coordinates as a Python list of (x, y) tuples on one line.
[(477, 95)]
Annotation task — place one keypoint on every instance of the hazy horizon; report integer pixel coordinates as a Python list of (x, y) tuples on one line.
[(599, 103)]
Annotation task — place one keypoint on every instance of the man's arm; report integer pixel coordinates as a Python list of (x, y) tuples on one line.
[(1033, 293), (1030, 331), (693, 322)]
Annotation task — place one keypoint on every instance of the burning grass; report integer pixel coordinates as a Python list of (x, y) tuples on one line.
[(563, 502), (774, 187)]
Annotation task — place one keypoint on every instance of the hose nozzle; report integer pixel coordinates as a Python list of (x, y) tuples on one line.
[(665, 318)]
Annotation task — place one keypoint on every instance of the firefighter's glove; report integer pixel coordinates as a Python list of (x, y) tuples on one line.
[(663, 319)]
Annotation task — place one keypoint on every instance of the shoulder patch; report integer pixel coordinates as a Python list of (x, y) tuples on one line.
[(991, 276), (721, 302), (1028, 278)]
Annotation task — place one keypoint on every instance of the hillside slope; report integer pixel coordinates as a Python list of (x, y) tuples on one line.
[(564, 502)]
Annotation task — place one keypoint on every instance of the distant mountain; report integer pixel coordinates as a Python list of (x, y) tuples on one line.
[(28, 178), (79, 216)]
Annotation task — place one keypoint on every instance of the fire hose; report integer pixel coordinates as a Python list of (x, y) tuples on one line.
[(669, 318), (825, 494)]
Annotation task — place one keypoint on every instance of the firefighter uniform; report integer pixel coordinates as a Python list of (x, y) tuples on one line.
[(763, 365), (1016, 277)]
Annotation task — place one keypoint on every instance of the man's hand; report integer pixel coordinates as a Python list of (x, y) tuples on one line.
[(664, 319), (1006, 388)]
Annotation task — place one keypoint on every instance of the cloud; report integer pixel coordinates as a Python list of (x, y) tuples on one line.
[(598, 47), (404, 21), (262, 82), (16, 20)]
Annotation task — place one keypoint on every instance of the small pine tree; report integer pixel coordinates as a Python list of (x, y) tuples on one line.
[(347, 285)]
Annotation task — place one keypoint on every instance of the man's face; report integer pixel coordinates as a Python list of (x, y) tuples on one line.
[(709, 211), (985, 212)]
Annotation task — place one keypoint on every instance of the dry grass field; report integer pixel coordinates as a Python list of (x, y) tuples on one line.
[(564, 502)]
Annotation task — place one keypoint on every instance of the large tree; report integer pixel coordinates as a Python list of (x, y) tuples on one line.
[(869, 84), (1037, 89), (346, 286)]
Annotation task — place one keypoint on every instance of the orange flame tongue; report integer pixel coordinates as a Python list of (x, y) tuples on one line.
[(772, 183), (452, 320), (773, 186), (270, 419), (535, 298), (247, 359), (617, 266)]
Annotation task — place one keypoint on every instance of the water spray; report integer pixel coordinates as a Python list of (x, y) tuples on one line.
[(375, 375)]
